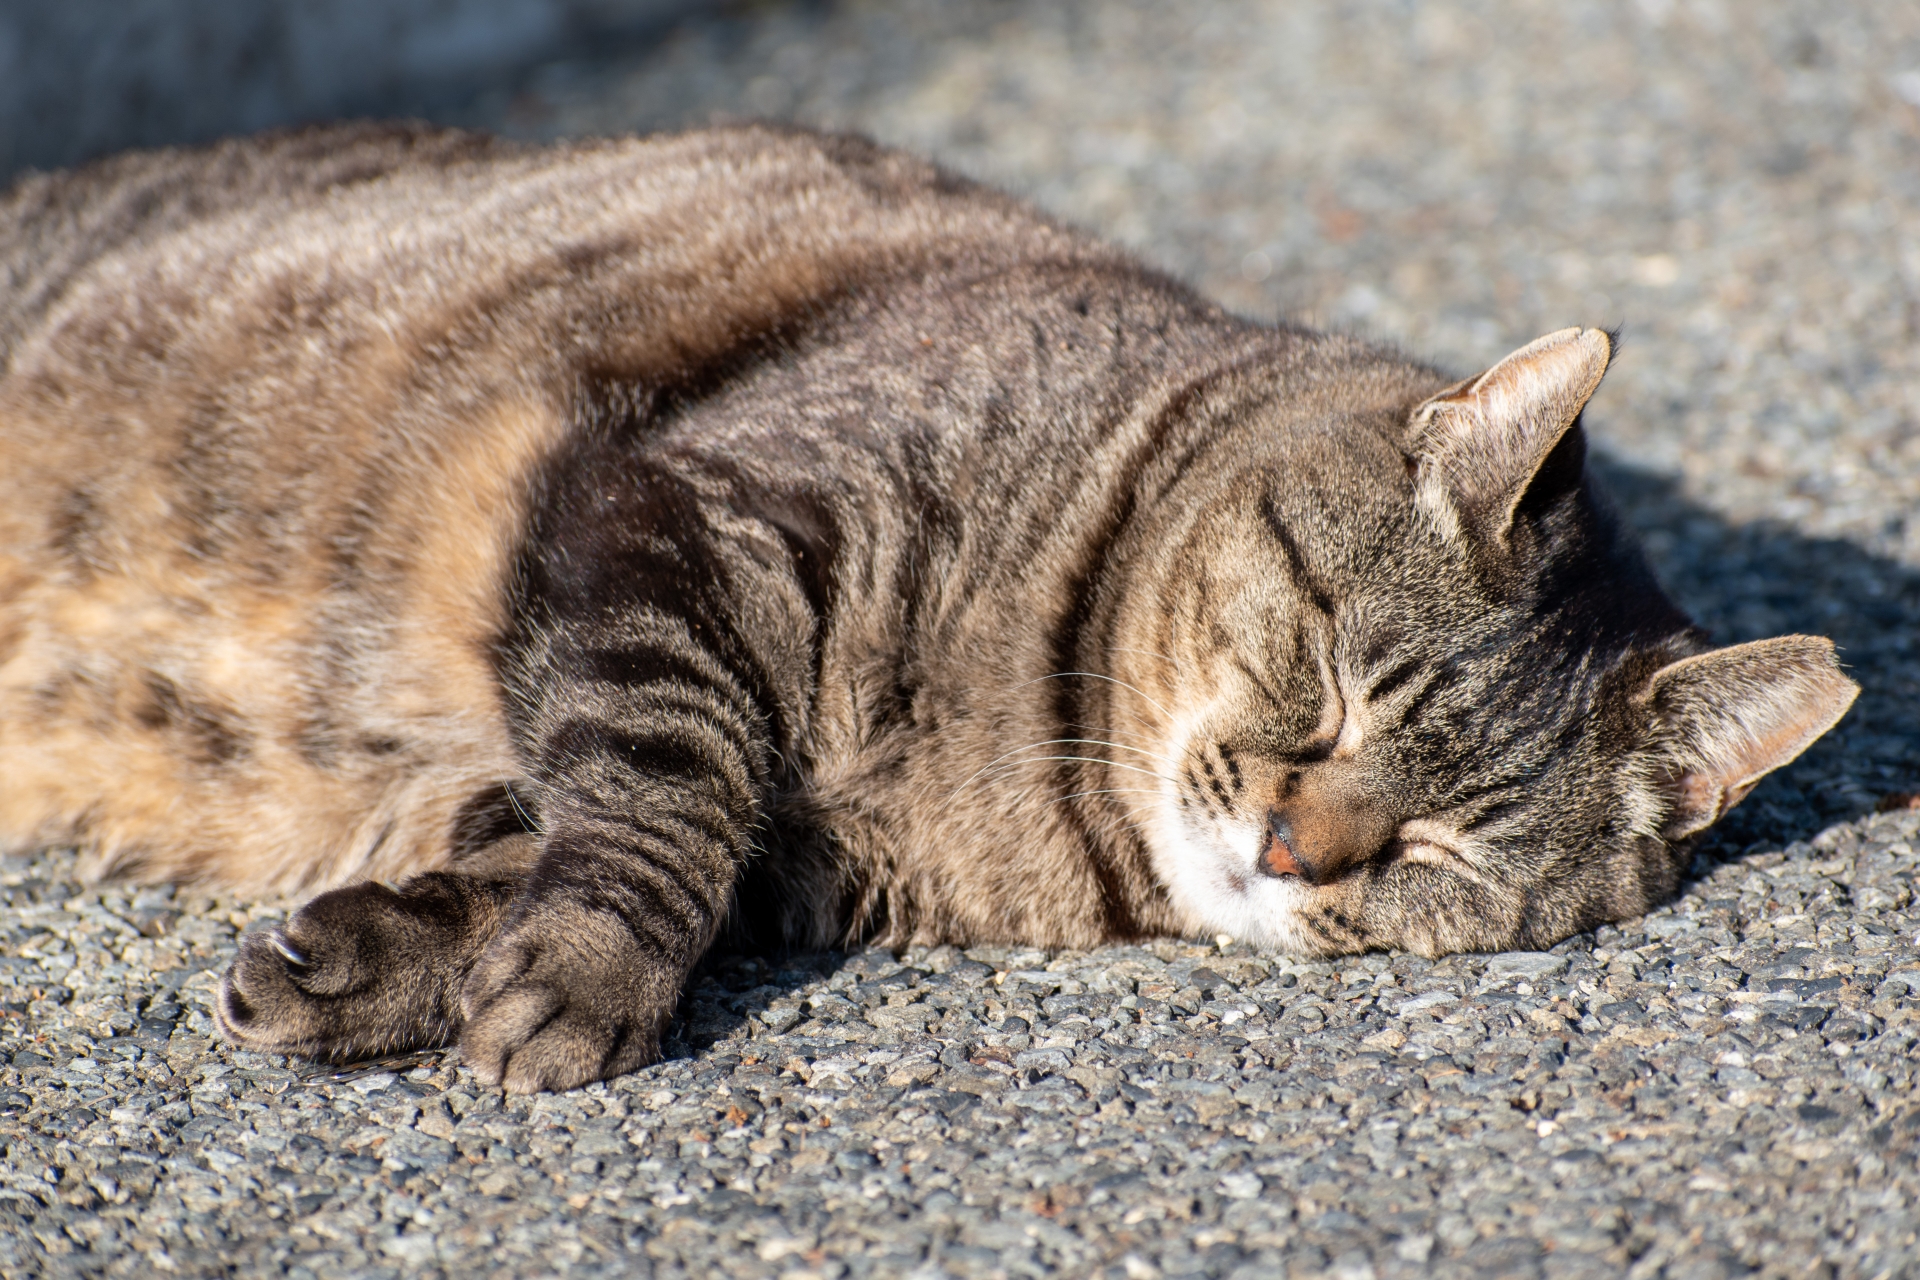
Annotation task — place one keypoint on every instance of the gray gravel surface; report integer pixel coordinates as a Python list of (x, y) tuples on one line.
[(1723, 1087)]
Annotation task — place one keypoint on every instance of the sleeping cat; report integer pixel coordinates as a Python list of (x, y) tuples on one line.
[(580, 551)]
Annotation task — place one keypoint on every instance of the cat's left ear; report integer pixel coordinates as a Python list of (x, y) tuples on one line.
[(1724, 719), (1478, 444)]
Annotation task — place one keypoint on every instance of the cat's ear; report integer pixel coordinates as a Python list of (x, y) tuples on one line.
[(1478, 444), (1725, 719)]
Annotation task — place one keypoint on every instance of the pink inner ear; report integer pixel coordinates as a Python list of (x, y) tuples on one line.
[(1703, 797), (1700, 800), (1742, 712), (1487, 436)]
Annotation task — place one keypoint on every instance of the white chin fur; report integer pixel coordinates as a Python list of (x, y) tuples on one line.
[(1214, 885)]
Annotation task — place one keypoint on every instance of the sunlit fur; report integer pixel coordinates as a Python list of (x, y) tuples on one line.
[(760, 532)]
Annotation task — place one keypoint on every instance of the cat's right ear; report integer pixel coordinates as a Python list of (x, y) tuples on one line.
[(1478, 444), (1724, 719)]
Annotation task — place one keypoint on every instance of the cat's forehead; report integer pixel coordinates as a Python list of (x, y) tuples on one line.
[(1363, 447)]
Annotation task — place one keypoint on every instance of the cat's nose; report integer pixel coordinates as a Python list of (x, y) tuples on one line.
[(1320, 842), (1277, 857)]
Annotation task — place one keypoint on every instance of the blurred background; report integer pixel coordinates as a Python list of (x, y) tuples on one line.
[(1735, 183), (79, 78)]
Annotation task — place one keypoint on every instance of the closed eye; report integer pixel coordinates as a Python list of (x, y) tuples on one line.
[(1490, 807), (1424, 840), (1426, 851), (1385, 685)]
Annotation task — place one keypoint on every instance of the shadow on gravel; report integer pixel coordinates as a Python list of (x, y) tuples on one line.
[(1746, 581), (733, 985)]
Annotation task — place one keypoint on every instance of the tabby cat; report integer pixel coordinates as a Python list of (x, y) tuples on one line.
[(578, 552)]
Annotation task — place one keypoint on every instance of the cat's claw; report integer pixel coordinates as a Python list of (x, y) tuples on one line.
[(360, 971), (294, 957)]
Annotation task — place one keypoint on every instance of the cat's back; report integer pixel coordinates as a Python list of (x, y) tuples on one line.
[(411, 229), (269, 414), (231, 353), (55, 226)]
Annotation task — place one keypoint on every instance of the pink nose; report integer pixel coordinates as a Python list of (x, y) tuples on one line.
[(1278, 858), (1322, 838)]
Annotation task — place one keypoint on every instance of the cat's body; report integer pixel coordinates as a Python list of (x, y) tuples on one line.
[(793, 535)]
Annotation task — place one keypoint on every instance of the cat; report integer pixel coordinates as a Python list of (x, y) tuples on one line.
[(564, 556)]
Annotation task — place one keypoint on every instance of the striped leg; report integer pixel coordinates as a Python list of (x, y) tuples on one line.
[(651, 759)]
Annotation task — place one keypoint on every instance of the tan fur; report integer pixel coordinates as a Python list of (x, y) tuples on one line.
[(827, 549), (397, 366)]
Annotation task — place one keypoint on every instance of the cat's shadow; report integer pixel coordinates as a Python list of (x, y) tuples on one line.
[(736, 985), (1746, 581)]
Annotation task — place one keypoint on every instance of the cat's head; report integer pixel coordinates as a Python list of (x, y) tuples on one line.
[(1404, 683)]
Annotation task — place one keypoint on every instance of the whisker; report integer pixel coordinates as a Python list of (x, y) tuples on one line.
[(1031, 746), (1101, 742), (1092, 742), (518, 812), (1115, 764), (1095, 675), (1006, 755), (1107, 791), (1108, 823), (1110, 732)]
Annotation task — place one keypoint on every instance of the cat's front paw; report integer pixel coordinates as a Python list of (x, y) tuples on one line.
[(563, 999), (361, 971)]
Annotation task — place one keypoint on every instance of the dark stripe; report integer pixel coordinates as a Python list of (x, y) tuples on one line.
[(678, 830), (634, 665), (806, 522), (490, 814), (1303, 577), (661, 718), (622, 1035), (614, 534), (1419, 701), (658, 907), (1115, 902), (650, 898), (1266, 687), (1492, 813), (1385, 685), (689, 714), (167, 706), (651, 754), (672, 824)]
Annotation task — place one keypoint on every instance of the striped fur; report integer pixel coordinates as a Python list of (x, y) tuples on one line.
[(611, 545)]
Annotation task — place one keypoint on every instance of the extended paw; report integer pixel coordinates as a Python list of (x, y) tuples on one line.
[(562, 999), (361, 971)]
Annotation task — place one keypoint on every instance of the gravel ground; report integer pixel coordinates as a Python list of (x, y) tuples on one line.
[(1723, 1087)]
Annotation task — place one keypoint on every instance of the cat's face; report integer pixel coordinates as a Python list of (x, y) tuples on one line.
[(1407, 687)]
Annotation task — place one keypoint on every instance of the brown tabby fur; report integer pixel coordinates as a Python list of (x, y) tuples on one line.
[(762, 530)]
